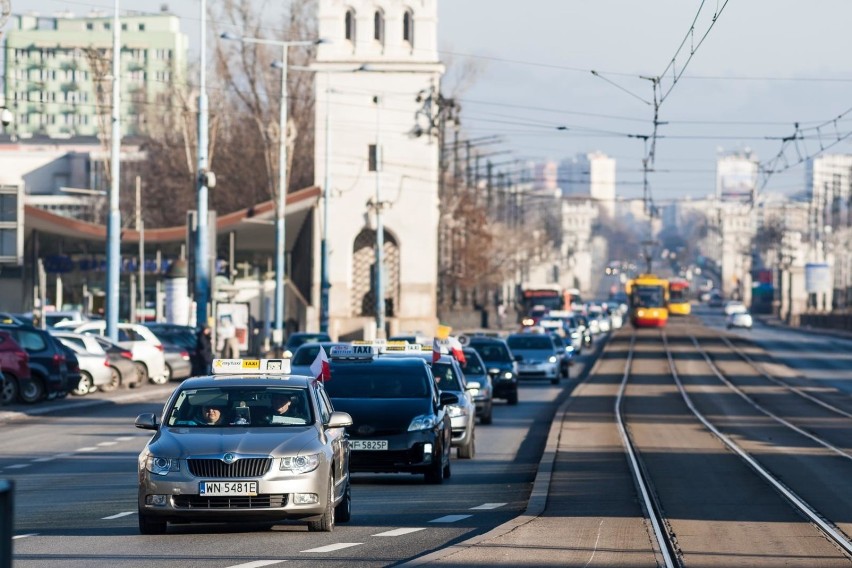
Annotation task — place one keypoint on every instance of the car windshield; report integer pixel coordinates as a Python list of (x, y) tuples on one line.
[(530, 342), (180, 336), (239, 407), (445, 377), (357, 380), (492, 352), (306, 354), (296, 340), (472, 365)]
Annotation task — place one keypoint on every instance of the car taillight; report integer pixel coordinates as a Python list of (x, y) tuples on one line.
[(184, 355), (106, 361), (160, 348), (58, 359), (126, 354)]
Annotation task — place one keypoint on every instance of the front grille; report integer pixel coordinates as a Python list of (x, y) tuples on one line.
[(374, 432), (234, 502), (216, 468), (387, 461)]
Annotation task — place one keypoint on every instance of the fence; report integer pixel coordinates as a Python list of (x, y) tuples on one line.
[(7, 490)]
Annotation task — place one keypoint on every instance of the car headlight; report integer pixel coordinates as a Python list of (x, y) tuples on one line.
[(551, 359), (455, 411), (473, 391), (508, 375), (640, 313), (300, 464), (162, 466), (422, 422)]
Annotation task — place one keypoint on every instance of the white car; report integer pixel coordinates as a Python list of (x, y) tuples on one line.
[(739, 319), (94, 364), (735, 307), (147, 351)]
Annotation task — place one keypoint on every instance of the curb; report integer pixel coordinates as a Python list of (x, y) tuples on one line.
[(541, 485)]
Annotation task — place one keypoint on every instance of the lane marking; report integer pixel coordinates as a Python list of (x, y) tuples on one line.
[(118, 515), (257, 564), (125, 438), (44, 459), (333, 547), (488, 506), (400, 532), (107, 443), (450, 518), (16, 537), (88, 449), (63, 455), (18, 466)]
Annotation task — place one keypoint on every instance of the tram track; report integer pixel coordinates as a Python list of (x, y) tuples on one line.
[(665, 531)]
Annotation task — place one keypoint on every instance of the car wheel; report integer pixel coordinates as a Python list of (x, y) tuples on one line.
[(343, 511), (84, 385), (488, 417), (114, 381), (554, 381), (326, 522), (169, 373), (9, 390), (468, 451), (149, 524), (435, 474), (447, 473), (512, 398), (33, 390)]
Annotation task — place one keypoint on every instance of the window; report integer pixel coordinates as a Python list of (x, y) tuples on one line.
[(90, 26), (379, 27), (124, 27), (408, 27), (107, 26), (141, 27), (349, 25)]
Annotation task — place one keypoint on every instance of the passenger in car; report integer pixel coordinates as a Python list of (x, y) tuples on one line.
[(287, 410), (210, 416)]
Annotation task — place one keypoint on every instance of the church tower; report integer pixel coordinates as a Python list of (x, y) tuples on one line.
[(378, 75)]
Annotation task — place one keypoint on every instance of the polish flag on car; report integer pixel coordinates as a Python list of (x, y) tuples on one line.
[(436, 350), (320, 368), (456, 348)]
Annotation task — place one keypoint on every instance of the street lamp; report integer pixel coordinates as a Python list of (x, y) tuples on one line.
[(280, 235)]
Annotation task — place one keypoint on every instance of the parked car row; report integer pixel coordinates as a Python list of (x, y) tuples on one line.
[(76, 357)]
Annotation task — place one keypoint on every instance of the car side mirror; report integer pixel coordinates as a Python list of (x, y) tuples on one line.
[(519, 358), (339, 420), (148, 421), (448, 398)]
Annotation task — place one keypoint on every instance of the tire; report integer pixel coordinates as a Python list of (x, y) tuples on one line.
[(447, 472), (512, 398), (343, 511), (435, 475), (468, 451), (141, 372), (169, 373), (114, 381), (326, 522), (9, 390), (32, 391), (488, 418), (84, 385), (554, 381), (149, 524)]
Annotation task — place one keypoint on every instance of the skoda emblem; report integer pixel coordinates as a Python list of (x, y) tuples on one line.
[(229, 458), (366, 430)]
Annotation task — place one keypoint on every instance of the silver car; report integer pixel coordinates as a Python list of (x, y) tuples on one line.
[(95, 370), (250, 465)]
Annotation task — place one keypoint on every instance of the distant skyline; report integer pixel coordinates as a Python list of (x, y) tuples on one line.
[(763, 66)]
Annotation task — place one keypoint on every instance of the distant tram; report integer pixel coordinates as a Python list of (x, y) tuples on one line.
[(648, 297), (679, 304)]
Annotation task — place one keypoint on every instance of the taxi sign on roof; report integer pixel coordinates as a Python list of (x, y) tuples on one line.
[(361, 351), (402, 347), (251, 366)]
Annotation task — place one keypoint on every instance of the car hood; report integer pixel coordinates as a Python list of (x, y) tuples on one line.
[(380, 414), (197, 442)]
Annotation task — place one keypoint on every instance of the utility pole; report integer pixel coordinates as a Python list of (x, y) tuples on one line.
[(380, 230), (114, 219), (140, 228), (202, 264)]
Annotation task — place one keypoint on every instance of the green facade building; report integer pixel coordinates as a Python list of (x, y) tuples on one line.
[(58, 72)]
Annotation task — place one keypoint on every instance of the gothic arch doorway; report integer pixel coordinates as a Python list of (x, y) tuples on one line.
[(363, 278)]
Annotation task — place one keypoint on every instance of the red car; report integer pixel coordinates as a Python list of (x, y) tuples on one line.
[(14, 362)]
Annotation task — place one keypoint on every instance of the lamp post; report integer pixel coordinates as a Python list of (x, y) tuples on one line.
[(114, 220), (380, 230), (281, 197), (325, 284), (201, 285)]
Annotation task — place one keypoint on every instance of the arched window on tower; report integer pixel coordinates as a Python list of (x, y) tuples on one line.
[(349, 25), (379, 27), (408, 27)]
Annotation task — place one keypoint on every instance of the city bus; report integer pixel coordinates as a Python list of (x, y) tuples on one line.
[(679, 297), (648, 297)]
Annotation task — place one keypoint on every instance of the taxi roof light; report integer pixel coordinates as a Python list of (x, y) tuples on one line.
[(251, 367)]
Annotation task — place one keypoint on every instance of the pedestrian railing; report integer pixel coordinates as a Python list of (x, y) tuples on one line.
[(7, 490)]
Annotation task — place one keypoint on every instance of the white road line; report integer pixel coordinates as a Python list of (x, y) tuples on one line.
[(88, 449), (107, 443), (488, 506), (63, 455), (118, 515), (333, 547), (44, 459), (17, 536), (18, 466), (125, 438), (257, 564), (450, 518), (399, 532)]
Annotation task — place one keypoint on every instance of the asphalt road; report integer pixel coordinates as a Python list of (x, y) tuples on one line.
[(74, 466)]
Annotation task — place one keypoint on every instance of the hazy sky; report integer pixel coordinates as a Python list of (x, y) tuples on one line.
[(762, 67)]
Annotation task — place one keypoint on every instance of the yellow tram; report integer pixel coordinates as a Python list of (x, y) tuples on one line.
[(679, 304), (648, 298)]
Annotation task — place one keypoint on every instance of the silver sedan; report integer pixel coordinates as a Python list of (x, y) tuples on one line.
[(228, 449)]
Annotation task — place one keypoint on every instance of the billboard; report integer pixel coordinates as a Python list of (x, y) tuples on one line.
[(817, 278)]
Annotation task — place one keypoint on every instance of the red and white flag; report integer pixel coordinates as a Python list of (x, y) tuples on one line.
[(320, 368), (436, 350), (456, 348)]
